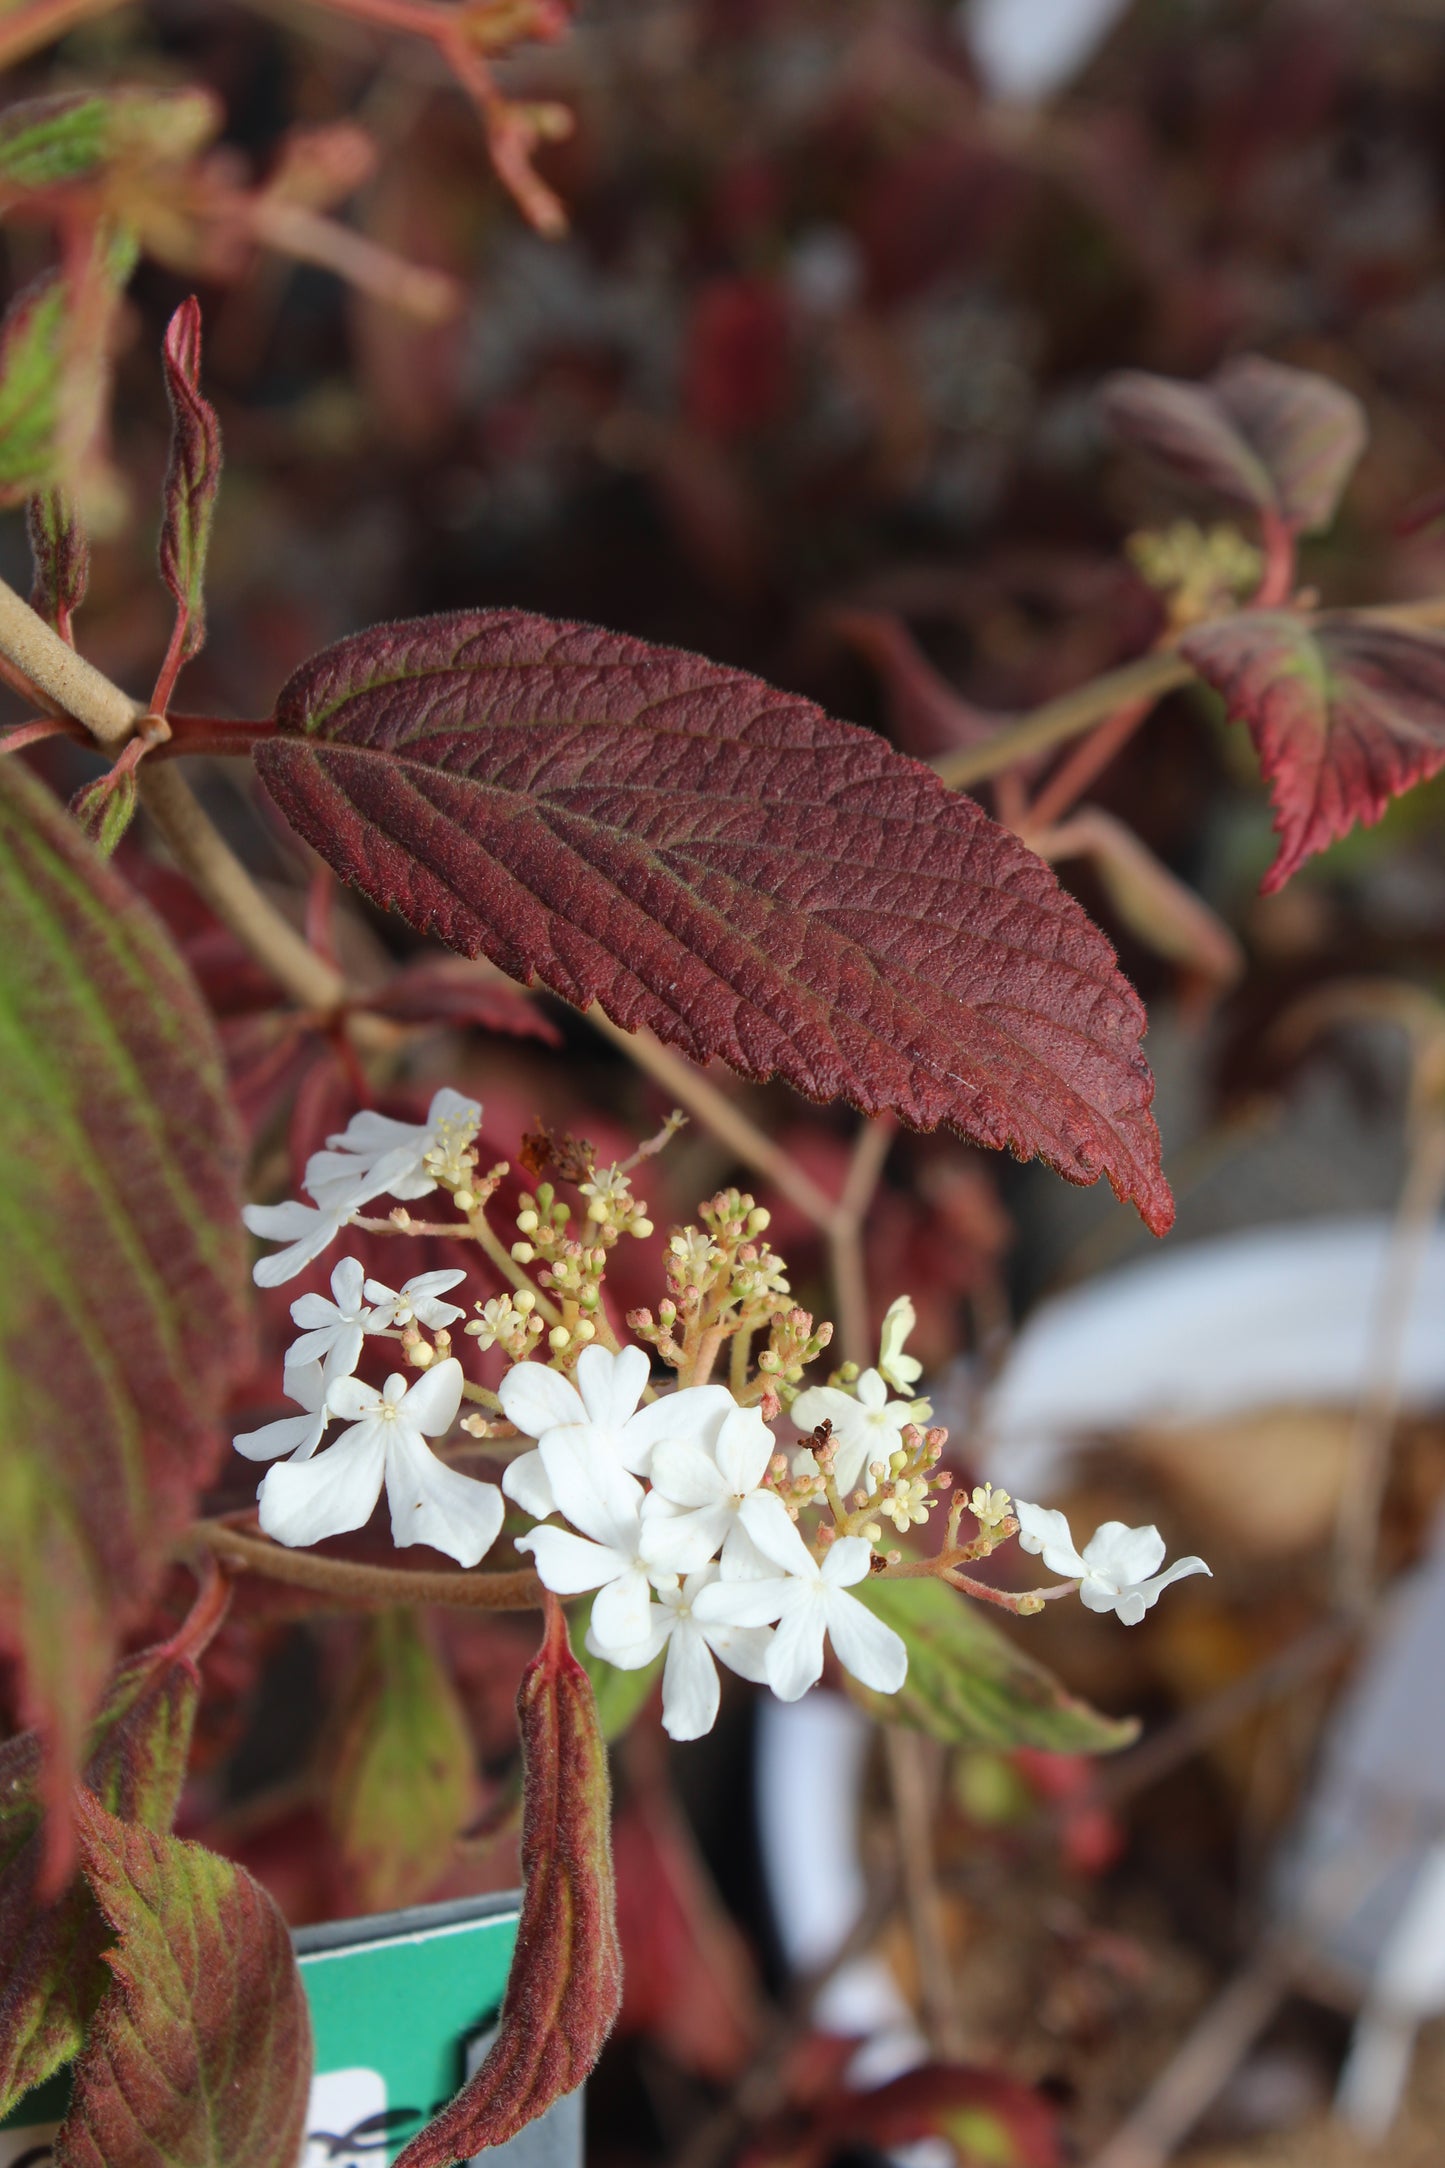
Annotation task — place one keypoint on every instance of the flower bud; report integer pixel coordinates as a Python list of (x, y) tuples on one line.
[(463, 1199), (525, 1301), (642, 1228), (558, 1338), (527, 1223), (584, 1329), (523, 1252)]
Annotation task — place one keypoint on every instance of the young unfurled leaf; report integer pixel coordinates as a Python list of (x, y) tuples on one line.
[(192, 478), (60, 554), (723, 864), (49, 142), (1345, 713), (136, 1755), (1279, 440), (105, 808), (122, 1302), (968, 1684), (200, 2054), (403, 1781), (566, 1979), (53, 368)]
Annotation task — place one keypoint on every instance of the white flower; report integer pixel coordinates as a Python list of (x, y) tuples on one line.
[(705, 1495), (602, 1411), (306, 1229), (337, 1328), (375, 1155), (298, 1435), (430, 1503), (414, 1299), (810, 1601), (866, 1429), (598, 1496), (690, 1692), (1118, 1568), (900, 1370)]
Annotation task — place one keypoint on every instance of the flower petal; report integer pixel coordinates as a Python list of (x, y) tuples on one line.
[(690, 1691), (537, 1398), (765, 1519), (591, 1488), (692, 1414), (660, 1624), (744, 1649), (863, 1644), (525, 1482), (1043, 1530), (688, 1475), (621, 1611), (569, 1564), (1181, 1569), (432, 1503), (744, 1448), (352, 1400), (611, 1385), (432, 1402), (846, 1560), (871, 1391), (795, 1658), (299, 1434), (822, 1404), (682, 1542), (1123, 1556), (347, 1282), (303, 1501), (306, 1384), (742, 1603)]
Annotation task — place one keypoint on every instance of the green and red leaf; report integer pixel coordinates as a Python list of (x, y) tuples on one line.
[(192, 478), (1281, 441), (1345, 713), (402, 1782), (725, 865), (200, 2054), (60, 554), (565, 1985), (53, 1976), (122, 1314)]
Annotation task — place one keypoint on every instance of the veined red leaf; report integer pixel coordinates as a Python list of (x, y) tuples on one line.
[(136, 1758), (1345, 713), (1280, 440), (60, 553), (192, 477), (119, 1168), (566, 1980), (725, 865), (200, 2054), (403, 1779)]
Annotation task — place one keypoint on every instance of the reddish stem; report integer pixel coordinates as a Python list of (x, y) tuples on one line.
[(213, 1599), (212, 734), (1089, 758), (33, 733), (170, 669), (1278, 581)]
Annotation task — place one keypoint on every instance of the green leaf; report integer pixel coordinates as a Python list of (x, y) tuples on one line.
[(60, 553), (106, 808), (969, 1685), (51, 383), (565, 1985), (200, 2054), (192, 478), (123, 1326), (621, 1696), (49, 142), (136, 1755), (403, 1780)]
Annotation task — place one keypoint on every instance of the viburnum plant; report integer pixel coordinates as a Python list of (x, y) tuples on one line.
[(711, 869)]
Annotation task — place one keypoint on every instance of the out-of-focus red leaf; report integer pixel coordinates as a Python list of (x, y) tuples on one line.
[(688, 1981), (192, 478), (927, 715), (200, 2054), (119, 1164), (136, 1759), (736, 362), (565, 1984), (989, 2120), (1279, 440), (455, 990), (1345, 713), (723, 864)]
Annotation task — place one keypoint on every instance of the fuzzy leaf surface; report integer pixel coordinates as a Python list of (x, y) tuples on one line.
[(49, 142), (1276, 439), (136, 1758), (51, 386), (725, 865), (60, 555), (1345, 713), (193, 475), (119, 1164), (200, 2054), (565, 1986), (968, 1685), (402, 1784)]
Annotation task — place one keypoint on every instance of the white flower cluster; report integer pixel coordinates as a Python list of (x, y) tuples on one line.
[(704, 1562), (373, 1156)]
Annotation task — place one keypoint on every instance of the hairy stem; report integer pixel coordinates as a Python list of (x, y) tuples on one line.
[(350, 1583), (62, 679)]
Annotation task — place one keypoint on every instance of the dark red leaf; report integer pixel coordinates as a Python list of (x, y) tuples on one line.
[(1345, 713), (192, 478), (723, 864), (60, 554), (119, 1166), (566, 1979), (200, 2054), (137, 1753), (455, 990), (1280, 440)]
